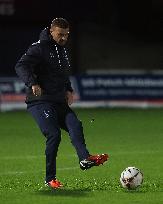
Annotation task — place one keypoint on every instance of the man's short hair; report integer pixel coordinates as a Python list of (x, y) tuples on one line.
[(60, 22)]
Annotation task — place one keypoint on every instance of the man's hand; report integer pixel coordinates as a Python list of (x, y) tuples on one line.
[(36, 90), (70, 97)]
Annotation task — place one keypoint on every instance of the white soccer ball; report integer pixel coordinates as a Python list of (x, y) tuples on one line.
[(131, 178)]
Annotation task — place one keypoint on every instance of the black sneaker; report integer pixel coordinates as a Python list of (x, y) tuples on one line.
[(93, 160)]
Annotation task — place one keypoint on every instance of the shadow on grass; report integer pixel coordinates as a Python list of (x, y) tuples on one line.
[(64, 192)]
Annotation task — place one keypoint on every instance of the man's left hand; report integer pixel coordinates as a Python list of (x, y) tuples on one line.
[(70, 97)]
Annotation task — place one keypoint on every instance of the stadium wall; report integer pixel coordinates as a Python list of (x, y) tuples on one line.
[(107, 89)]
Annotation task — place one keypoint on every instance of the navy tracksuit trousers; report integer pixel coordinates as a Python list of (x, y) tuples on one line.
[(51, 118)]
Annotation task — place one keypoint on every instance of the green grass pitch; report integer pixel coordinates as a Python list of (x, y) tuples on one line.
[(132, 137)]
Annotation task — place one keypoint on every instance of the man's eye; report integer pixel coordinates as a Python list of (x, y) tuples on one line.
[(61, 35)]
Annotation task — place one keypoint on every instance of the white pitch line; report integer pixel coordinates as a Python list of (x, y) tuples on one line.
[(35, 172), (31, 157), (136, 152), (20, 157)]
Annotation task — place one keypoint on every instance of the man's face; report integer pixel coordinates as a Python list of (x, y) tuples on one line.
[(60, 35)]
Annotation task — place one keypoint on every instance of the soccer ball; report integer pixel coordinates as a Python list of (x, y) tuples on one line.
[(131, 178)]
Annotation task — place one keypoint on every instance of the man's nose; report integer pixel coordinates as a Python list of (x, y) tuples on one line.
[(64, 38)]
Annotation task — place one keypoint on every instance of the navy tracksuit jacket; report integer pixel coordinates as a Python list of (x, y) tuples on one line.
[(46, 63)]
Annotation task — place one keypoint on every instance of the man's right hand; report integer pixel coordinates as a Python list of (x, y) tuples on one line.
[(36, 90)]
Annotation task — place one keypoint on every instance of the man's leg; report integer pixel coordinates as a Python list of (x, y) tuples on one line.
[(46, 118), (75, 130), (69, 122)]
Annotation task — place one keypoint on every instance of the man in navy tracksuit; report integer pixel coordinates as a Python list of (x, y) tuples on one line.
[(44, 70)]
